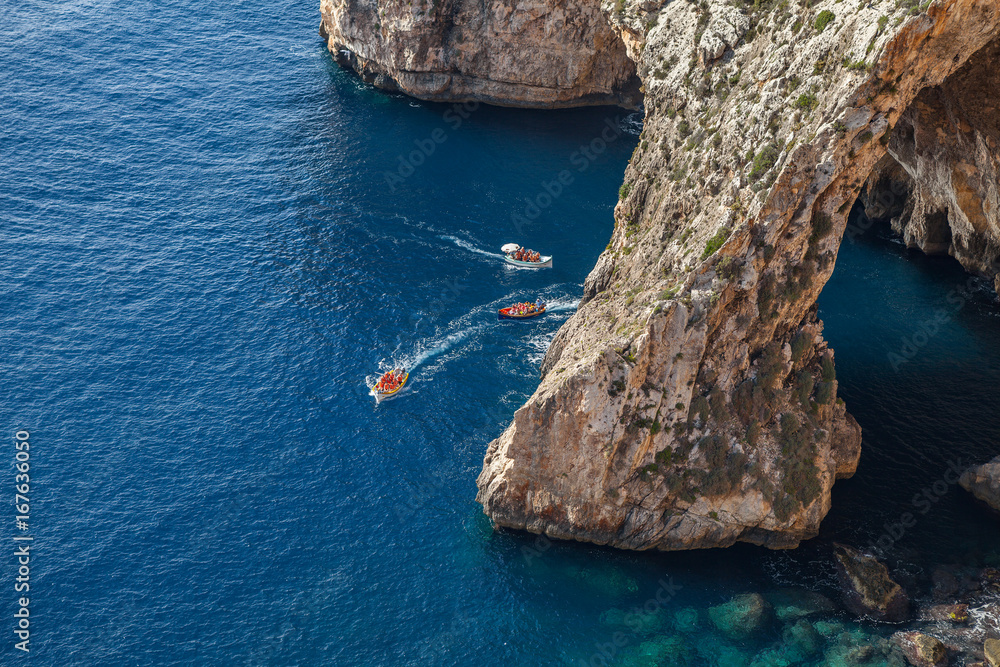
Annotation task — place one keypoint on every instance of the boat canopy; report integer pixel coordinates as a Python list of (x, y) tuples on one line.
[(509, 247)]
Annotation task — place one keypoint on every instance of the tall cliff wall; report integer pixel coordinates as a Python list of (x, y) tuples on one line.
[(529, 53), (691, 400)]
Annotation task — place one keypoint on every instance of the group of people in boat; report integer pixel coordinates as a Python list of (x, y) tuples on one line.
[(526, 308), (525, 255), (390, 381)]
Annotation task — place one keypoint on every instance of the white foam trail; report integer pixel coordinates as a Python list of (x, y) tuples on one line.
[(465, 245), (562, 305), (538, 345), (440, 346)]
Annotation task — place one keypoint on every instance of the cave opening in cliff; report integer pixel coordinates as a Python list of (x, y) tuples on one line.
[(938, 184), (916, 337)]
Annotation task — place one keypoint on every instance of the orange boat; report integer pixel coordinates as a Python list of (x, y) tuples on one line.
[(389, 384), (522, 311)]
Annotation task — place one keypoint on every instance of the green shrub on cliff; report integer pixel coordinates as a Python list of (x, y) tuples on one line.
[(807, 102), (829, 370), (771, 366), (822, 226), (715, 243), (800, 343), (824, 19), (713, 448), (824, 393), (623, 191), (699, 408), (764, 160), (804, 383)]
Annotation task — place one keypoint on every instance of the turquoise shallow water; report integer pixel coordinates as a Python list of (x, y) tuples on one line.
[(206, 260)]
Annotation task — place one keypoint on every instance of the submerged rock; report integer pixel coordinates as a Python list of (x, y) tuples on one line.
[(743, 616), (989, 580), (802, 641), (791, 604), (921, 650), (983, 482), (668, 651), (868, 589), (687, 620), (862, 650), (772, 657), (946, 584), (722, 654), (829, 628)]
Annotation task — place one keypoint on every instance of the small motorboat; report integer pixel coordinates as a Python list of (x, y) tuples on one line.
[(522, 311), (389, 384), (510, 251)]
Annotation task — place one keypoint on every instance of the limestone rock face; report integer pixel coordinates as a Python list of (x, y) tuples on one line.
[(691, 401), (984, 482), (945, 151), (530, 53), (869, 591)]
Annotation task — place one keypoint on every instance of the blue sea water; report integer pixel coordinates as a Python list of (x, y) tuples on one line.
[(205, 262)]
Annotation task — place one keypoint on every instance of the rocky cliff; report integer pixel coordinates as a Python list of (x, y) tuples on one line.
[(530, 53), (691, 401)]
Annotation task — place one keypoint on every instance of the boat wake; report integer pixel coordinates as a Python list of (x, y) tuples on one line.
[(562, 305), (436, 346), (469, 325), (465, 245)]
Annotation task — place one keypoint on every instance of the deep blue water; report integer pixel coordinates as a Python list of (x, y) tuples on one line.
[(205, 260)]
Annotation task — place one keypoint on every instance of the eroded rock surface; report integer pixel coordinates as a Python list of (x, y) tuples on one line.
[(868, 589), (983, 482), (921, 650), (533, 53)]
